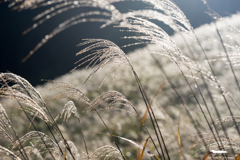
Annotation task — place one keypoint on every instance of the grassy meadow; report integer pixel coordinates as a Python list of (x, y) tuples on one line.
[(174, 98)]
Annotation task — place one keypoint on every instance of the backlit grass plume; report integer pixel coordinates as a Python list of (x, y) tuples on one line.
[(175, 98)]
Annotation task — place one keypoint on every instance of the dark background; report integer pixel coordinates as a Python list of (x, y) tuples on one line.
[(57, 56)]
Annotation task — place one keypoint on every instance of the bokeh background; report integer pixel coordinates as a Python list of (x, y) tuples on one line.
[(57, 57)]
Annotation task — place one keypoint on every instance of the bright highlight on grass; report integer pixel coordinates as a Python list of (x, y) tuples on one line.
[(176, 98)]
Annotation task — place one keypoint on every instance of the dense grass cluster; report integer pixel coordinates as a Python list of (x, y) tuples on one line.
[(176, 98)]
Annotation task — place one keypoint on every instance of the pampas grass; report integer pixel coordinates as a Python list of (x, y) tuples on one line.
[(180, 92)]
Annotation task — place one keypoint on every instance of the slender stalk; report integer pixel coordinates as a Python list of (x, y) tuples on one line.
[(150, 114), (56, 129), (30, 120), (65, 141), (83, 136), (224, 97), (109, 132), (22, 153), (225, 50), (180, 98), (210, 95)]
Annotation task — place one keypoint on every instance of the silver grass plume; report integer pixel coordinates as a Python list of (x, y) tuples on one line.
[(172, 10), (33, 153), (227, 142), (72, 92), (106, 152), (5, 124), (36, 138), (63, 6), (151, 33), (66, 24), (68, 109), (22, 85), (115, 98), (30, 105), (107, 52), (171, 15), (77, 94), (6, 152)]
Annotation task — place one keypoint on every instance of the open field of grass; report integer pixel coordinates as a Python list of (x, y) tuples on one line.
[(174, 98)]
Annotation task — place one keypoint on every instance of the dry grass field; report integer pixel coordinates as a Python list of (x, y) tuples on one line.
[(174, 98)]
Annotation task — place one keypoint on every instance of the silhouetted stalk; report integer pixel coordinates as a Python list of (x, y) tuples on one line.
[(54, 137), (196, 98), (147, 104), (83, 136), (211, 98), (224, 97), (220, 146), (58, 130), (214, 75), (197, 101), (205, 84), (180, 98), (142, 120), (108, 131), (149, 136), (210, 95), (143, 125), (218, 115)]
